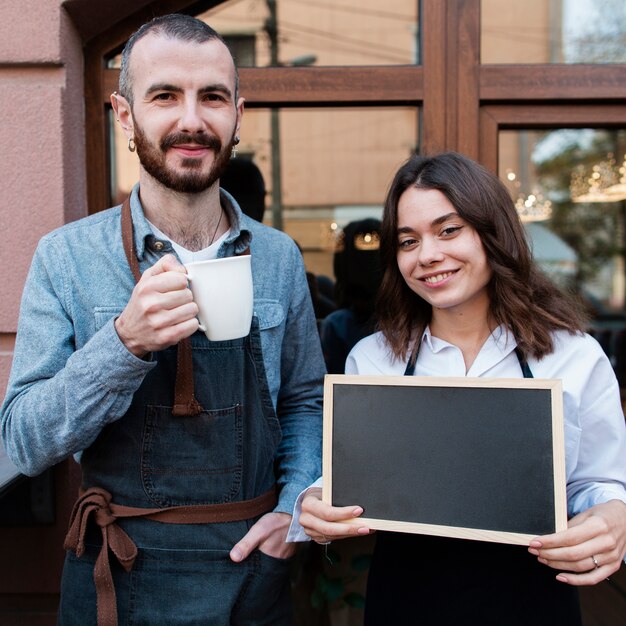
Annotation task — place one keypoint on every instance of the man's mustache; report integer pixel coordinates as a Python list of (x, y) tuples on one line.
[(201, 139)]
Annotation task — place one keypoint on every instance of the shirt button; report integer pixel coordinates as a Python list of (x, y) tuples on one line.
[(159, 245)]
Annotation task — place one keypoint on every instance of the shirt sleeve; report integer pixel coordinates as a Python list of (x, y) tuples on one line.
[(296, 532), (598, 439), (299, 403), (58, 397)]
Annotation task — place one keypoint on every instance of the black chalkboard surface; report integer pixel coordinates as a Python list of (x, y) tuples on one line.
[(476, 458)]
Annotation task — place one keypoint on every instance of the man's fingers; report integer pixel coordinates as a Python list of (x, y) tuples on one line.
[(167, 263), (243, 548), (271, 528)]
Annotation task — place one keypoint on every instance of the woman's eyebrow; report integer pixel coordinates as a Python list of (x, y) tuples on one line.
[(436, 222), (444, 218)]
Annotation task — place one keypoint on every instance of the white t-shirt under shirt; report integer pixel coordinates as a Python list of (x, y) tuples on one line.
[(595, 434), (187, 256)]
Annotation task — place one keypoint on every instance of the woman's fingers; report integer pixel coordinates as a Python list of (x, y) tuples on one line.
[(324, 522), (590, 550)]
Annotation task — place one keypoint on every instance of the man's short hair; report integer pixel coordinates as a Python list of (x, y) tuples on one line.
[(174, 26)]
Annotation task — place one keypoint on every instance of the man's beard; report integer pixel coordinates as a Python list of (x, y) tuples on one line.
[(191, 179)]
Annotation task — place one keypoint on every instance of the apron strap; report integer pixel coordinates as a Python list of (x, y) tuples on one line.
[(96, 502), (185, 402), (410, 366)]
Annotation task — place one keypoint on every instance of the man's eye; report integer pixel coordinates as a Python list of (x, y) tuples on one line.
[(163, 96), (214, 97)]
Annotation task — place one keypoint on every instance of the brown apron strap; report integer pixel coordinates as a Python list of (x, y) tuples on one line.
[(96, 502), (185, 402)]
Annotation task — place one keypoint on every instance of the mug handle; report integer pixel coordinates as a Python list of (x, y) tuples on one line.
[(200, 326)]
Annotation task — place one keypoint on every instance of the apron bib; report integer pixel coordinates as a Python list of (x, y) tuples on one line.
[(216, 455)]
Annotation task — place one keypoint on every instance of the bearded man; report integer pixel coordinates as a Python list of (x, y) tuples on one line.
[(192, 451)]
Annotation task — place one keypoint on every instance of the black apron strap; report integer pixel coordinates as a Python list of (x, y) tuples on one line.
[(410, 366)]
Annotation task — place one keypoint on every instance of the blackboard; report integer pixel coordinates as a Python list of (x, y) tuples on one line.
[(476, 458)]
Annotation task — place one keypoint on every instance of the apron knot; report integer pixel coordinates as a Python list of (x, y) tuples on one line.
[(96, 502)]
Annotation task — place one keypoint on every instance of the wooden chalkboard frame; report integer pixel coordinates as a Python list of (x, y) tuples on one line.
[(333, 386)]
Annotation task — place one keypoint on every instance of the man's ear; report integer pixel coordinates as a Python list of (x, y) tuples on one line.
[(240, 103), (123, 113)]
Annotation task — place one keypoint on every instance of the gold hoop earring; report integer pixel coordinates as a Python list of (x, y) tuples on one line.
[(131, 144)]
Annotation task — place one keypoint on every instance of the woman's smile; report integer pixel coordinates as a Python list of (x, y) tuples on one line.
[(436, 279)]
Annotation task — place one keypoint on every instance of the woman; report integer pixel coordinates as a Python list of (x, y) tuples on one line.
[(461, 296)]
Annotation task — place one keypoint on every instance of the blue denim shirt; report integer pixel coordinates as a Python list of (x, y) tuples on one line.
[(71, 374)]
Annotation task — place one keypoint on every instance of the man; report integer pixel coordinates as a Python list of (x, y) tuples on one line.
[(183, 443)]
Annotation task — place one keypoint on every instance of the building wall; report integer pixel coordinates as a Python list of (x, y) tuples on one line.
[(42, 135), (42, 172)]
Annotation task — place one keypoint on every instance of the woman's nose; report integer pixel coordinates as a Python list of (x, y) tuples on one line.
[(429, 251)]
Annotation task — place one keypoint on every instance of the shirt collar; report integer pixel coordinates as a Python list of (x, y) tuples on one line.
[(501, 340), (239, 238)]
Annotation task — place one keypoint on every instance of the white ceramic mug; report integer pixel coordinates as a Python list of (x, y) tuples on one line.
[(222, 289)]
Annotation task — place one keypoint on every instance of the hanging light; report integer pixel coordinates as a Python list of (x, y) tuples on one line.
[(533, 207), (605, 183)]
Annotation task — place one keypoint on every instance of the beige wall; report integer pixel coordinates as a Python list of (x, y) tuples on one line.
[(42, 171)]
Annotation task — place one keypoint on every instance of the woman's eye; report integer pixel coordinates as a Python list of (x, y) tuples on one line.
[(450, 230), (407, 243)]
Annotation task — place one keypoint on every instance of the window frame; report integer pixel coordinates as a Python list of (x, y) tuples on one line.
[(462, 103)]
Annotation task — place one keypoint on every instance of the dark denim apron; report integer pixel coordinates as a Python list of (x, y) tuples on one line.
[(419, 580), (151, 458)]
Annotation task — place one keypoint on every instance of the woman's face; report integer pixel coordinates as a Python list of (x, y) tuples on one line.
[(440, 256)]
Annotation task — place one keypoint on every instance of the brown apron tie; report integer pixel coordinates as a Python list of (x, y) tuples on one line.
[(185, 402), (96, 502)]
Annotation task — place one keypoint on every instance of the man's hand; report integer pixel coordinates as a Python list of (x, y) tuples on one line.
[(268, 535), (161, 310)]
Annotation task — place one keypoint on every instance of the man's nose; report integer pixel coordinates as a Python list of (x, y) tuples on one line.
[(191, 118)]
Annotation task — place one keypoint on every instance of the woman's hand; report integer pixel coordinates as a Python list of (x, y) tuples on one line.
[(591, 549), (324, 523)]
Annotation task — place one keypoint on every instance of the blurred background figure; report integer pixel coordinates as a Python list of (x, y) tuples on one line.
[(243, 180), (358, 275)]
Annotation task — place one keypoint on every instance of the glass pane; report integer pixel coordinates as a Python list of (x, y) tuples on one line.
[(570, 190), (329, 166), (553, 31), (329, 32), (264, 33)]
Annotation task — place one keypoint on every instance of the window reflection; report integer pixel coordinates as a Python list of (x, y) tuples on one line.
[(553, 31), (570, 190), (335, 167), (328, 32)]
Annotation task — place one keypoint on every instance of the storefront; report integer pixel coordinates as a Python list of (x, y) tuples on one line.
[(338, 94)]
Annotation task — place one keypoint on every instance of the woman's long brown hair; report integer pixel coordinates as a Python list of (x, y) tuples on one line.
[(521, 298)]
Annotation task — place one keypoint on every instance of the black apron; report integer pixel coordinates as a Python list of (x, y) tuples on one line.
[(421, 580)]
